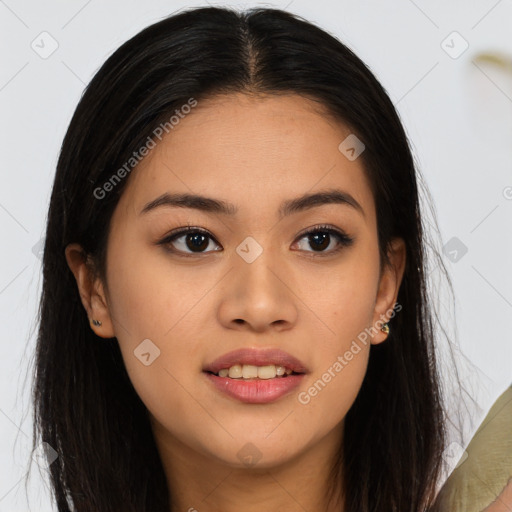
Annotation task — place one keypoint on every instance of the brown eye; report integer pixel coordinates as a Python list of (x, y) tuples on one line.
[(195, 240), (191, 240), (321, 237)]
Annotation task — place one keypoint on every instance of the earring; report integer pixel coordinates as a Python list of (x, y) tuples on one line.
[(385, 328), (96, 322)]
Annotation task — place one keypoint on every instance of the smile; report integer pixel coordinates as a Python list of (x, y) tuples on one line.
[(249, 371)]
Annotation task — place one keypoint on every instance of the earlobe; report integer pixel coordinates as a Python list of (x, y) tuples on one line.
[(387, 294), (91, 291)]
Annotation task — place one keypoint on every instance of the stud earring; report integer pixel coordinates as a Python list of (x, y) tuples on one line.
[(385, 328), (97, 323)]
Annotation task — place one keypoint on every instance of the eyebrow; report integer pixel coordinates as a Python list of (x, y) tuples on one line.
[(288, 207)]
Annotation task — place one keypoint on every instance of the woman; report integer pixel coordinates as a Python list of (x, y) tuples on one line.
[(234, 308)]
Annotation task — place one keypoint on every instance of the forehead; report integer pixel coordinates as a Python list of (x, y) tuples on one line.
[(252, 151)]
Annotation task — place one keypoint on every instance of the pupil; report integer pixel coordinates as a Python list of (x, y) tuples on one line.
[(199, 241), (201, 245), (320, 238)]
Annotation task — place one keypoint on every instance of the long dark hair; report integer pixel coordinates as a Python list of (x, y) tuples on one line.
[(85, 406)]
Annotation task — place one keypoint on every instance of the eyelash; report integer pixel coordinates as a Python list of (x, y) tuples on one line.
[(343, 239)]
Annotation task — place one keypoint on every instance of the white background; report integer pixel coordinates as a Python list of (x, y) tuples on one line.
[(457, 113)]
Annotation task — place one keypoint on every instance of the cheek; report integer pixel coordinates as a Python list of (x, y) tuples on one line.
[(149, 295), (331, 391), (158, 309), (346, 306), (346, 302), (141, 313), (341, 356)]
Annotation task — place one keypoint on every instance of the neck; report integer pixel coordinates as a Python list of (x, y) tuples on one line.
[(200, 483)]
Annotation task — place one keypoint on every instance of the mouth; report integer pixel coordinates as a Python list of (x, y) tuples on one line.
[(252, 372), (255, 376)]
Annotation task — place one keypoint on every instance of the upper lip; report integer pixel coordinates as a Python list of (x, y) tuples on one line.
[(256, 357)]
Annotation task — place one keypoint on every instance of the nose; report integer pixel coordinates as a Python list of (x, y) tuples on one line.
[(259, 296)]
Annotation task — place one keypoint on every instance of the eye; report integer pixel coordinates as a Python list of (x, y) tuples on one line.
[(195, 239), (320, 238)]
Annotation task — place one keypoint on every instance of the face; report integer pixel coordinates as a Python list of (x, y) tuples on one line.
[(283, 288)]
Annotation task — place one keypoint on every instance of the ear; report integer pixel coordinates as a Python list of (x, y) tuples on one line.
[(91, 290), (389, 284)]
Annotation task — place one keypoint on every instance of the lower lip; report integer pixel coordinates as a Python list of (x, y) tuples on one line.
[(257, 391)]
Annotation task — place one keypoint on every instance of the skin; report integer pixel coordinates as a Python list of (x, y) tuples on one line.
[(503, 503), (254, 152)]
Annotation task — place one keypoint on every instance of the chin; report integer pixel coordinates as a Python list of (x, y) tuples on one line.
[(254, 451)]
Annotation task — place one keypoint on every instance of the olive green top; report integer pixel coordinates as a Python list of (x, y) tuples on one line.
[(481, 477)]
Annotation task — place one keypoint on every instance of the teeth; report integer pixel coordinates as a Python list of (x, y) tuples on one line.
[(267, 372), (249, 371), (280, 370), (235, 372)]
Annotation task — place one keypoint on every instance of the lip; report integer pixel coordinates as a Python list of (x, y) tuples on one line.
[(257, 391), (256, 357)]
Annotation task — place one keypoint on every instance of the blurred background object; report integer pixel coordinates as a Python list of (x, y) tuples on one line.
[(483, 475)]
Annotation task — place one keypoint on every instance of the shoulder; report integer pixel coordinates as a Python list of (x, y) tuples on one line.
[(485, 471)]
